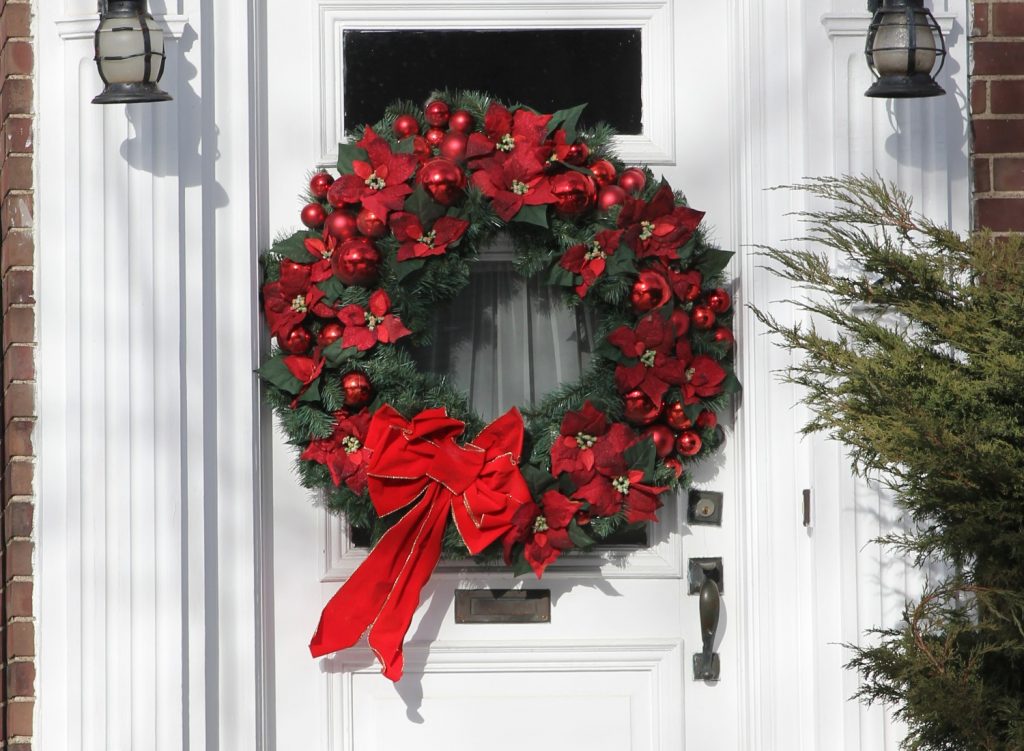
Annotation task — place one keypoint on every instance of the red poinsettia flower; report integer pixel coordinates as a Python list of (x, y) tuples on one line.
[(658, 228), (702, 379), (505, 131), (650, 346), (288, 301), (416, 242), (685, 284), (365, 327), (615, 485), (573, 450), (379, 184), (544, 529), (589, 260), (342, 452), (306, 369), (516, 182), (321, 248)]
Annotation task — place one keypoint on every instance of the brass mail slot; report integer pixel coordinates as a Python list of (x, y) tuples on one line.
[(503, 606)]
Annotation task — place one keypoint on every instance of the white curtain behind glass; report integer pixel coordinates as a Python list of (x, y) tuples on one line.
[(507, 341)]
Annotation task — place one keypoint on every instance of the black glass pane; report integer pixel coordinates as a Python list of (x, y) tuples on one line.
[(546, 69)]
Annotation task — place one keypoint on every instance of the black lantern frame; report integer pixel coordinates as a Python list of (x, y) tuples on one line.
[(908, 14), (120, 92)]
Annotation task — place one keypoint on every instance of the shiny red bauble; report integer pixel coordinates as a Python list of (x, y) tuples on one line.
[(288, 266), (437, 113), (707, 419), (718, 300), (460, 121), (341, 224), (453, 146), (405, 126), (370, 224), (330, 333), (574, 193), (688, 443), (675, 417), (356, 262), (639, 409), (702, 317), (664, 439), (434, 137), (680, 321), (650, 291), (675, 465), (421, 149), (355, 387), (334, 194), (320, 183), (632, 180), (577, 155), (297, 341), (610, 195), (724, 336), (604, 172), (444, 180), (313, 215)]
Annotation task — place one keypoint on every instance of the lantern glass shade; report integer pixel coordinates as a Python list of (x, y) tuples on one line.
[(904, 42), (130, 57)]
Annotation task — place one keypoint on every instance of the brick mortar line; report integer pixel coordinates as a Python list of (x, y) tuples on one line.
[(21, 619), (22, 498), (19, 539), (21, 579)]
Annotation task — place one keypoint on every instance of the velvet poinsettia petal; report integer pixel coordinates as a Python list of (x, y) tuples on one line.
[(359, 337), (529, 127), (705, 376), (655, 332), (406, 226), (497, 121), (558, 509), (574, 258), (352, 315), (447, 230), (506, 205), (391, 329), (540, 554), (295, 279), (350, 188), (380, 303), (610, 450), (627, 341), (383, 202), (588, 420), (603, 498)]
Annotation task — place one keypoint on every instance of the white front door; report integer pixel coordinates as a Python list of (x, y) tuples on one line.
[(612, 670)]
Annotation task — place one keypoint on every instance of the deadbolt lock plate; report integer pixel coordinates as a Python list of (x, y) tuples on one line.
[(705, 507)]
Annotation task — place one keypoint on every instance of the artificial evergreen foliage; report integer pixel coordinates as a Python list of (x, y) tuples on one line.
[(917, 365)]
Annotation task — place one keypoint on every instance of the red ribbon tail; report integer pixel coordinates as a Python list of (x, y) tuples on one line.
[(383, 593)]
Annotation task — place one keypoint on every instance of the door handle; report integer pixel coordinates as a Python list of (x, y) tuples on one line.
[(706, 664)]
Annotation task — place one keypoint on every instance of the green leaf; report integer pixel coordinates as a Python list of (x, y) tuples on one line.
[(347, 154), (335, 354), (537, 215), (568, 119), (294, 247), (312, 394), (609, 351), (713, 261), (405, 268), (622, 261), (642, 456), (406, 146), (422, 205), (276, 373), (574, 168), (520, 565), (537, 479), (686, 251), (731, 384), (562, 277), (580, 538), (333, 288)]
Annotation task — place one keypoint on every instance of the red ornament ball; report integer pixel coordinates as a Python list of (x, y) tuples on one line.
[(719, 300), (453, 146), (578, 154), (320, 183), (356, 262), (434, 137), (421, 149), (688, 443), (702, 316), (707, 419), (334, 194), (329, 333), (288, 266), (604, 172), (675, 417), (297, 341), (313, 215), (664, 439), (680, 321), (444, 180), (341, 224), (675, 465), (437, 113), (356, 388), (370, 224), (650, 291), (574, 193), (460, 121), (639, 409), (405, 126), (724, 336), (632, 180), (610, 195)]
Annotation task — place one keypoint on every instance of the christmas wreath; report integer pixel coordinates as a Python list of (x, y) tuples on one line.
[(401, 451)]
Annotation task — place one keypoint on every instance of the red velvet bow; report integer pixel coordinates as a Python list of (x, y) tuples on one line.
[(479, 483)]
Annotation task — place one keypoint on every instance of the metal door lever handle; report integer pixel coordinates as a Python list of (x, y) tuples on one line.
[(706, 665)]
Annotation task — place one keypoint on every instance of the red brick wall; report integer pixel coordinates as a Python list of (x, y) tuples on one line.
[(17, 309), (997, 114)]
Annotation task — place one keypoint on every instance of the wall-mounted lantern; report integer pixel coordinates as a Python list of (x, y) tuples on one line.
[(129, 53), (903, 46)]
